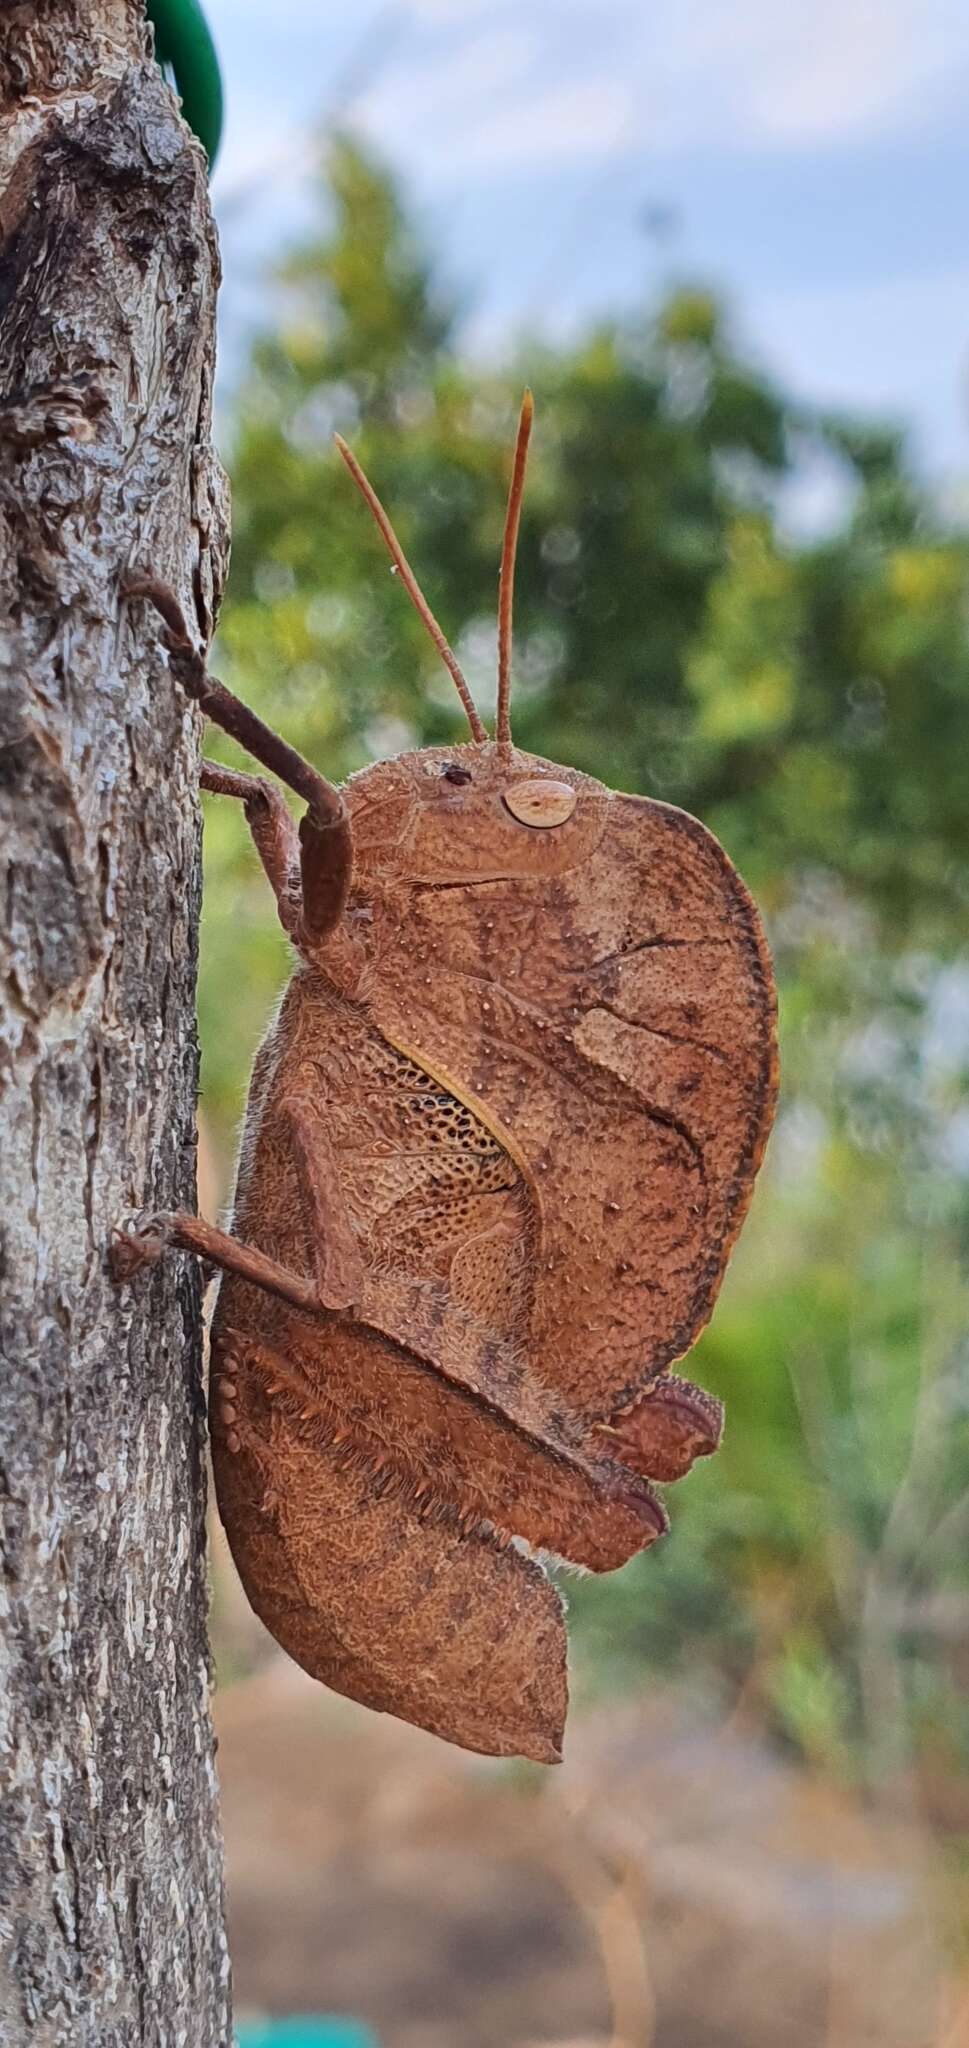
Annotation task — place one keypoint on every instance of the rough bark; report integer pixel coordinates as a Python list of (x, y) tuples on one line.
[(111, 1927)]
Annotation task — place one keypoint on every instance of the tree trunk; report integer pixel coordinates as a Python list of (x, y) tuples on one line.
[(111, 1927)]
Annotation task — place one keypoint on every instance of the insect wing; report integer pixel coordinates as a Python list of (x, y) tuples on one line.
[(407, 1616)]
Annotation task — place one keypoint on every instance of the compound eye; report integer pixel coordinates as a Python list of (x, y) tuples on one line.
[(541, 802), (453, 772)]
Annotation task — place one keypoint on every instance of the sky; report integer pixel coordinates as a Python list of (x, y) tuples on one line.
[(568, 157)]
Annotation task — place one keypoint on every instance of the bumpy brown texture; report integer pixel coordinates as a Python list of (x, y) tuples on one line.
[(506, 1125)]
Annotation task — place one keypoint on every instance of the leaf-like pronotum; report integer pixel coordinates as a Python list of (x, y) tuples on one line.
[(500, 1140)]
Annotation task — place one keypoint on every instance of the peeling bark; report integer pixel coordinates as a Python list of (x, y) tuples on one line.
[(111, 1927)]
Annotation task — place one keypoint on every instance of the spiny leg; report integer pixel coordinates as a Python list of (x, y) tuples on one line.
[(337, 1271), (324, 830), (145, 1241), (274, 833), (337, 1266)]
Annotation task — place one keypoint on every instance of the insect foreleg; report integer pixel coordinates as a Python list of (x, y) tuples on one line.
[(324, 832), (273, 830)]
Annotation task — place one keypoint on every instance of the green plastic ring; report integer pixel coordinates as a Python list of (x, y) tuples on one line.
[(184, 42)]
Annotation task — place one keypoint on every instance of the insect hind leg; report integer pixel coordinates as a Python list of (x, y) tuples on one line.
[(146, 1240)]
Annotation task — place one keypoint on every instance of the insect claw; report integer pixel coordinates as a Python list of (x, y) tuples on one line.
[(137, 1242)]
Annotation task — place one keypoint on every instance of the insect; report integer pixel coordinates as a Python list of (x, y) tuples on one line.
[(500, 1140)]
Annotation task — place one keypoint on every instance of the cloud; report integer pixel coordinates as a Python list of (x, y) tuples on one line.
[(571, 82), (435, 97), (438, 12), (483, 85), (491, 130), (789, 77), (585, 119)]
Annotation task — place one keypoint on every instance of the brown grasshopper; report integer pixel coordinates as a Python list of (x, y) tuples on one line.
[(500, 1140)]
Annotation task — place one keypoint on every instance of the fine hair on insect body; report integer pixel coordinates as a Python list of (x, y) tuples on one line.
[(500, 1140)]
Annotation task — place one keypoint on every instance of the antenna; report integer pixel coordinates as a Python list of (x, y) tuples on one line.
[(506, 579), (412, 587)]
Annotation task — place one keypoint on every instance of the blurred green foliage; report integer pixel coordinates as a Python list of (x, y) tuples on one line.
[(808, 698)]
